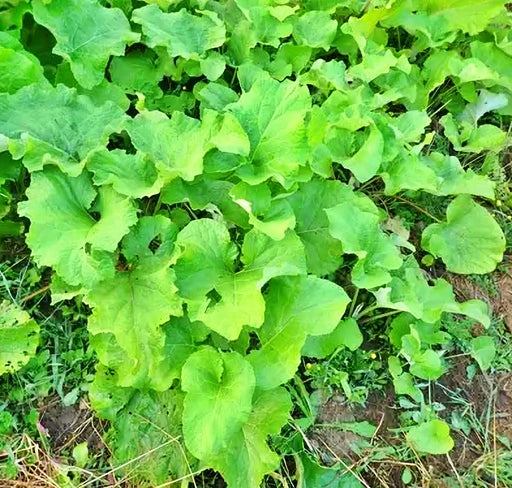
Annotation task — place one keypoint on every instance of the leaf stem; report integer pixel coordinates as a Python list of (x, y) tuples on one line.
[(158, 205), (353, 304), (366, 311), (380, 316)]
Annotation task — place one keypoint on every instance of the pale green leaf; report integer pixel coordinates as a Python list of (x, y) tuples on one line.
[(438, 21), (181, 33), (216, 96), (494, 59), (427, 365), (307, 30), (270, 216), (365, 163), (218, 403), (106, 396), (483, 350), (132, 306), (272, 114), (355, 222), (323, 252), (87, 35), (138, 71), (148, 429), (18, 67), (213, 65), (373, 65), (80, 454), (432, 437), (206, 194), (296, 307), (266, 258), (19, 337), (225, 418), (345, 334), (470, 241), (207, 255), (99, 94), (403, 383), (264, 25), (133, 175), (64, 235), (206, 263), (55, 126), (138, 248), (225, 133), (176, 145), (410, 291), (249, 447)]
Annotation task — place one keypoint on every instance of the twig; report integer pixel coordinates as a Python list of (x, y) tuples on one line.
[(454, 469), (34, 294)]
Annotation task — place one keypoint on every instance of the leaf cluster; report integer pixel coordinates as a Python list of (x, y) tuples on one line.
[(210, 178)]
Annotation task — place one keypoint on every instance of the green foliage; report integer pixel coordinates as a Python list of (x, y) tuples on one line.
[(19, 337), (432, 437), (212, 180), (470, 241)]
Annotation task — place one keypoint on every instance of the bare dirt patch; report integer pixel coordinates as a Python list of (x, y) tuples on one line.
[(69, 426)]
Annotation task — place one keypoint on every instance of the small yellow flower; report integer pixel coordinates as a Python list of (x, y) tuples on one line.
[(309, 365), (373, 356)]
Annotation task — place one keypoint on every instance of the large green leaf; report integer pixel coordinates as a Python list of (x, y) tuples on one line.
[(367, 160), (410, 291), (346, 334), (106, 396), (272, 114), (19, 337), (63, 233), (206, 263), (177, 146), (127, 336), (225, 418), (270, 412), (207, 194), (132, 306), (323, 252), (272, 216), (436, 173), (133, 175), (470, 241), (18, 67), (148, 429), (296, 307), (264, 24), (438, 21), (138, 71), (432, 437), (87, 35), (181, 33), (306, 31), (219, 387), (355, 222), (494, 58), (55, 126)]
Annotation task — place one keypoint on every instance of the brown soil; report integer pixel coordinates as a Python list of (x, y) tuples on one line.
[(69, 426), (501, 304)]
